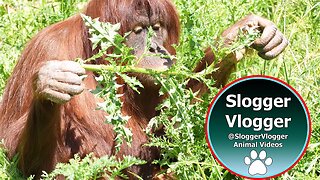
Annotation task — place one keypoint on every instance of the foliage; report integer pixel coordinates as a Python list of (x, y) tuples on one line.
[(184, 150), (93, 168), (181, 128), (8, 168), (105, 35)]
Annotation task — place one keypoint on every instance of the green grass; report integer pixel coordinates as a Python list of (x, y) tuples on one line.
[(202, 21)]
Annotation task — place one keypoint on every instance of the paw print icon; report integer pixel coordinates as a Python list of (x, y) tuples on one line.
[(258, 164)]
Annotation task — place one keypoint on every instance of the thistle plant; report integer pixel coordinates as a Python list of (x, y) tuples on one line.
[(182, 112)]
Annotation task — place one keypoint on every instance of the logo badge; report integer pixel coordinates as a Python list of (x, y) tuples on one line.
[(258, 127)]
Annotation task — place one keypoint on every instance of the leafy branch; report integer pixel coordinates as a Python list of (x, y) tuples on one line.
[(105, 36)]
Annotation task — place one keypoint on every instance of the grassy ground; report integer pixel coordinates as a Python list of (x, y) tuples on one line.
[(203, 21)]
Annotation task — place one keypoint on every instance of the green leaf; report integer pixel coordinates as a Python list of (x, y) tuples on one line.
[(133, 82)]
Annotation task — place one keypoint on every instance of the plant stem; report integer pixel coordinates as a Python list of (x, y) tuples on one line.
[(132, 69)]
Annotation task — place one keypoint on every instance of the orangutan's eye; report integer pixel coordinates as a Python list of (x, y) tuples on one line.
[(137, 29), (156, 27)]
